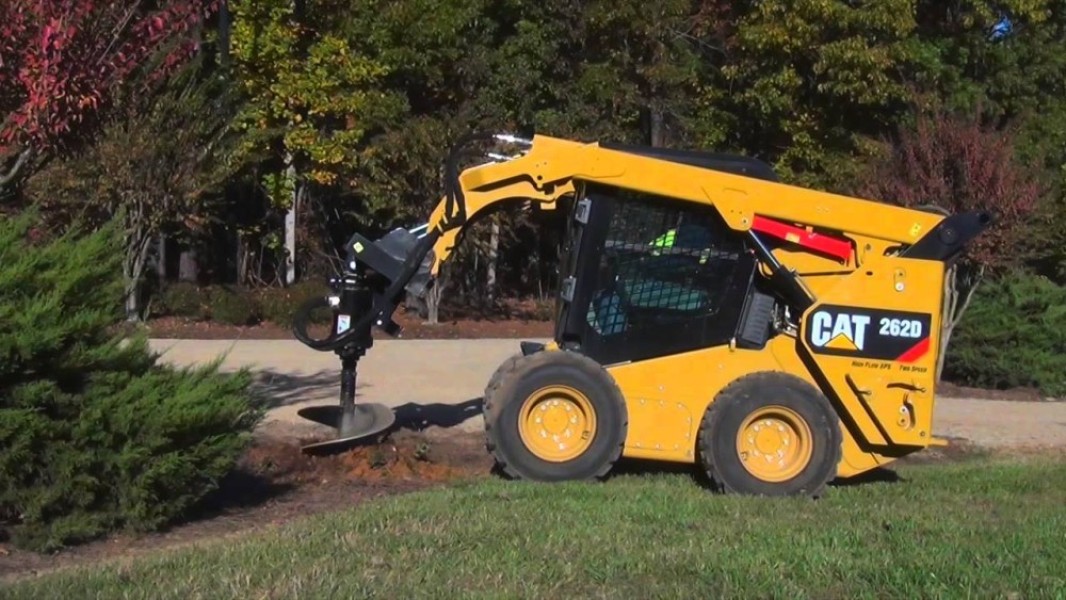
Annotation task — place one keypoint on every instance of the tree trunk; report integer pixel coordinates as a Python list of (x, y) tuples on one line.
[(290, 228), (161, 259), (657, 133), (137, 247), (242, 259), (12, 173), (956, 301), (494, 251), (433, 298), (433, 305), (188, 270)]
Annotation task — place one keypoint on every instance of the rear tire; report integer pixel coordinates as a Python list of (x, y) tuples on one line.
[(770, 434), (554, 416)]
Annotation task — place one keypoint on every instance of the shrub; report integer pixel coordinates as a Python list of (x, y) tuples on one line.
[(1013, 335), (97, 436), (279, 305), (232, 306), (183, 299)]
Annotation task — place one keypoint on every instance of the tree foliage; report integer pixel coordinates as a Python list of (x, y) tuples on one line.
[(155, 167), (805, 83), (310, 95), (349, 107), (1014, 335), (61, 63)]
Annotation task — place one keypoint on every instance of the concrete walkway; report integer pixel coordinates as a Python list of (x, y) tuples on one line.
[(441, 382)]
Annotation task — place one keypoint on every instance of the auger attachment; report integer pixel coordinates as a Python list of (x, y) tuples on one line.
[(351, 298), (375, 276)]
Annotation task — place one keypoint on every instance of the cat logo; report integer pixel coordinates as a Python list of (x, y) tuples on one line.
[(839, 332)]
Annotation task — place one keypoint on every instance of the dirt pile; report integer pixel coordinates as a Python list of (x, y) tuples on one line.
[(404, 457)]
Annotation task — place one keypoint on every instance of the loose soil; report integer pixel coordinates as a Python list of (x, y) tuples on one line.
[(951, 390)]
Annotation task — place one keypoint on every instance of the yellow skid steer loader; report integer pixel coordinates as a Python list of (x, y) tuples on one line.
[(776, 337)]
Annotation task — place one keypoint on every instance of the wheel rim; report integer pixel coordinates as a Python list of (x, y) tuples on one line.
[(774, 443), (557, 423)]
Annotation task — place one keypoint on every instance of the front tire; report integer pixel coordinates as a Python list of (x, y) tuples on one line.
[(554, 416), (770, 434)]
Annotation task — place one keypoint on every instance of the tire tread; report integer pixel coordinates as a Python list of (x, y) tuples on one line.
[(511, 371)]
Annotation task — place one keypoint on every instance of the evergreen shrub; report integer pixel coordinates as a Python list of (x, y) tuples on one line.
[(95, 435), (1013, 335)]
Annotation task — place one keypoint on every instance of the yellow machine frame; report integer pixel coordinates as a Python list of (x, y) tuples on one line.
[(881, 288)]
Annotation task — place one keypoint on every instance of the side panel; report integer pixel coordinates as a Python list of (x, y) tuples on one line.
[(666, 397), (873, 340)]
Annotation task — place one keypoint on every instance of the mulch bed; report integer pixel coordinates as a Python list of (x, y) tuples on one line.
[(950, 390)]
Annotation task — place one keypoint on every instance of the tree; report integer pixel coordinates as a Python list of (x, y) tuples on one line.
[(312, 99), (154, 165), (958, 164), (61, 63), (1018, 77), (808, 84)]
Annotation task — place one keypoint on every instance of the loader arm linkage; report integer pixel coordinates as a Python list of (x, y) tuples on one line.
[(806, 242)]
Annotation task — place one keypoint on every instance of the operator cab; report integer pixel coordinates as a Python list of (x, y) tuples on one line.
[(647, 276)]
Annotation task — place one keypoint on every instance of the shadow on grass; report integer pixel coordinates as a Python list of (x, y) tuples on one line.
[(877, 475), (273, 390)]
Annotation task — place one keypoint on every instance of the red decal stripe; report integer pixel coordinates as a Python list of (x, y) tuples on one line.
[(835, 247), (917, 351)]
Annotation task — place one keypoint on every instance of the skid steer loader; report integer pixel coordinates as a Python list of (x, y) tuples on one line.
[(774, 336)]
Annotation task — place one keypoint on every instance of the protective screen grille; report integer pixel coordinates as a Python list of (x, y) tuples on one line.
[(663, 263)]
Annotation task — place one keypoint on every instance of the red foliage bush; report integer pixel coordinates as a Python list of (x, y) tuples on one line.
[(60, 62), (958, 164)]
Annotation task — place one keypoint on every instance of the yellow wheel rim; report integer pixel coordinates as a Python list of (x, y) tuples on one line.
[(557, 423), (774, 443)]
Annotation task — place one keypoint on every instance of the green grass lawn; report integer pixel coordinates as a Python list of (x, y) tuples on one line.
[(977, 529)]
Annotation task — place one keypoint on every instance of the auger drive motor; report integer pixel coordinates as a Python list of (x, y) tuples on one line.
[(776, 337)]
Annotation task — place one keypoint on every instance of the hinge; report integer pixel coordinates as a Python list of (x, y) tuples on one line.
[(567, 289), (581, 213)]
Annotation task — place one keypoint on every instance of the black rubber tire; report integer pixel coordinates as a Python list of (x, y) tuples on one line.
[(520, 376), (505, 368), (723, 418)]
